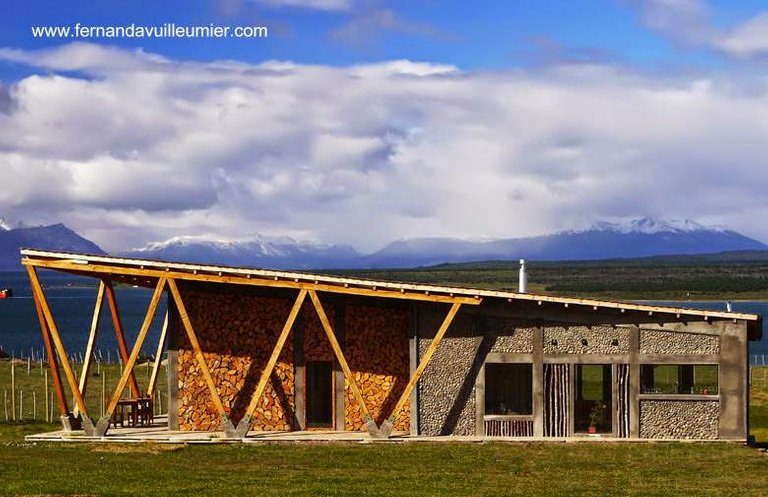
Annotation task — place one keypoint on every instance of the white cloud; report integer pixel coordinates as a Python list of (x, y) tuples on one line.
[(149, 148), (689, 21), (330, 5)]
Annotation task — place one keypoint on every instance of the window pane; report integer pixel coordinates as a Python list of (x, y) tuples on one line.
[(697, 379), (509, 389)]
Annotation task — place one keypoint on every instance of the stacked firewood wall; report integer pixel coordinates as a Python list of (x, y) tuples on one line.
[(377, 352), (237, 334)]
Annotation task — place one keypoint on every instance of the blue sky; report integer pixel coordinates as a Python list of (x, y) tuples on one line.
[(420, 118), (498, 34)]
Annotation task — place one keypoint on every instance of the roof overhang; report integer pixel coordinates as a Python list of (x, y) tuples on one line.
[(145, 272)]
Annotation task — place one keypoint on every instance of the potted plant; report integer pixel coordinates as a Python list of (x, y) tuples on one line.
[(596, 416)]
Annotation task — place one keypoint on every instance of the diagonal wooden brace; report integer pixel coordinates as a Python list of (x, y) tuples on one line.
[(225, 423), (91, 342), (103, 424), (37, 290), (370, 424), (388, 424), (118, 325), (245, 423), (53, 363), (158, 358)]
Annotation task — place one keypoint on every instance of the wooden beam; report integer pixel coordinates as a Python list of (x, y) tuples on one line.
[(53, 363), (253, 280), (158, 358), (386, 427), (226, 424), (91, 342), (245, 423), (37, 290), (119, 333), (103, 425), (373, 429)]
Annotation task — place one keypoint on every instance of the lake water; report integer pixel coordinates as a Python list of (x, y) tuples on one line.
[(72, 300)]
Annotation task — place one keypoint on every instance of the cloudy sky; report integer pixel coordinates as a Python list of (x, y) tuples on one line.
[(363, 121)]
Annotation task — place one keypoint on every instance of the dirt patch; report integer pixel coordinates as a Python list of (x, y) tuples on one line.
[(139, 448)]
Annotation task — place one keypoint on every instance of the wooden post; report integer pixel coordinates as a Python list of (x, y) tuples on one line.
[(118, 325), (91, 341), (13, 390), (37, 289), (387, 425), (53, 363), (158, 359), (370, 424), (245, 423), (226, 423), (47, 407), (103, 425)]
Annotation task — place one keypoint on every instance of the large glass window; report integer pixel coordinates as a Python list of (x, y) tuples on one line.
[(686, 379), (509, 389)]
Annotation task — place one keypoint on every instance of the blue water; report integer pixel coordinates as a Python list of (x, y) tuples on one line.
[(72, 300)]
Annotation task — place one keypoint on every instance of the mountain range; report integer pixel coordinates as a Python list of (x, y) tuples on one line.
[(635, 238), (53, 237), (604, 240)]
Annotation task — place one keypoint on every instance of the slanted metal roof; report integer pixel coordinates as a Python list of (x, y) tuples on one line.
[(89, 263)]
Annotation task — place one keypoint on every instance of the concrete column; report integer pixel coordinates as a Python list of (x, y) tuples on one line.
[(173, 365), (299, 371), (732, 382), (413, 348), (634, 383), (538, 382), (338, 373)]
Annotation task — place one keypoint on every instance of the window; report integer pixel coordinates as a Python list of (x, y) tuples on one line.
[(686, 379), (594, 394), (509, 389)]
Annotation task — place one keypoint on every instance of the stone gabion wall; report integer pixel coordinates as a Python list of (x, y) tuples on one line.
[(237, 334), (600, 340), (679, 419), (447, 388), (377, 352), (510, 339), (670, 342)]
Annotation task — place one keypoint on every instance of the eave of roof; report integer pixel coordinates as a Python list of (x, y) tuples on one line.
[(67, 260)]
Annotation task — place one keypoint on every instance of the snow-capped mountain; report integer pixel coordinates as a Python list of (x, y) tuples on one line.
[(652, 226), (640, 237), (633, 238), (4, 226), (258, 251)]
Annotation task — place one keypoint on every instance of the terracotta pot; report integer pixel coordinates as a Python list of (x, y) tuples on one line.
[(592, 429)]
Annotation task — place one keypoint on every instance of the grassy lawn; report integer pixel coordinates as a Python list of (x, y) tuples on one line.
[(385, 469)]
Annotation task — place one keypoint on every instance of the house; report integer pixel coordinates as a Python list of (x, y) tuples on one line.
[(255, 350)]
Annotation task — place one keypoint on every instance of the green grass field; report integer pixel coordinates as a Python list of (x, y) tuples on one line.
[(387, 469), (716, 277), (31, 381)]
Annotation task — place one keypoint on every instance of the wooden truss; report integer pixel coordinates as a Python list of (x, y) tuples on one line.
[(167, 278)]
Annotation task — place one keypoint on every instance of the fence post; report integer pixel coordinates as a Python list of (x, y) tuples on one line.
[(13, 391), (48, 419)]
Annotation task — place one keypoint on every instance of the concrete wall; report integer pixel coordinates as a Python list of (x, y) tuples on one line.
[(451, 393)]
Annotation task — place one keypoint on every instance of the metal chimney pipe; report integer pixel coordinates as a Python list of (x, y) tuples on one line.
[(523, 283)]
